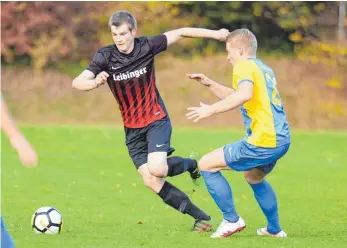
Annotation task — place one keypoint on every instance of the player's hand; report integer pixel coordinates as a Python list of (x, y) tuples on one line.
[(222, 34), (201, 78), (198, 113), (26, 152), (101, 78)]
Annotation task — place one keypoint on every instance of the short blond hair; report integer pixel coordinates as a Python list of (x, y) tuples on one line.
[(246, 38)]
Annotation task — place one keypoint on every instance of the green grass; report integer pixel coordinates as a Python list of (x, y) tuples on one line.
[(85, 173)]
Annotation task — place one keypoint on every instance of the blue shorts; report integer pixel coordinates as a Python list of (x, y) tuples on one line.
[(242, 156)]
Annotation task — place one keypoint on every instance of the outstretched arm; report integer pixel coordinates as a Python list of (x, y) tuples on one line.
[(242, 95), (175, 35), (26, 152), (217, 89)]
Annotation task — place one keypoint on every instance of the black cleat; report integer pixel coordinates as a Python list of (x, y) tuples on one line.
[(202, 226), (195, 173)]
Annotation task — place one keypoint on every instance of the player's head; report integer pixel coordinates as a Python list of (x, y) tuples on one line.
[(241, 44), (122, 25)]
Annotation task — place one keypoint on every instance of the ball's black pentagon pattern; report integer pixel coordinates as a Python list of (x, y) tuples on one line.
[(50, 223)]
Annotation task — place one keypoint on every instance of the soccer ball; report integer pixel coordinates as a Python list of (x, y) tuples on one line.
[(47, 220)]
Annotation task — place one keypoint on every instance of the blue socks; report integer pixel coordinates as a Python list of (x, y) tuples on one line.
[(220, 190), (266, 198), (6, 240)]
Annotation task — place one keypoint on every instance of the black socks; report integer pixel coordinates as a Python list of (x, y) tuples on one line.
[(180, 201), (178, 165)]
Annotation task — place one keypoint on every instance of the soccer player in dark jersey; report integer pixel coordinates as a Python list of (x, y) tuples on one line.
[(128, 68)]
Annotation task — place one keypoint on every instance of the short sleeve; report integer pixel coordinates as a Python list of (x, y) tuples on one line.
[(158, 43), (243, 72), (98, 64)]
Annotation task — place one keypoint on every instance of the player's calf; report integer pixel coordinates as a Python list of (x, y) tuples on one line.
[(181, 202), (161, 166), (267, 200), (174, 197), (178, 165), (152, 182), (178, 200)]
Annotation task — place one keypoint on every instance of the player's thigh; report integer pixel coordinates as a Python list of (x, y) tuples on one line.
[(137, 145), (159, 136), (157, 164), (157, 159), (255, 161), (213, 161)]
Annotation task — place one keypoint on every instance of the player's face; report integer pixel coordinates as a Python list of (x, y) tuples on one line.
[(234, 52), (123, 37)]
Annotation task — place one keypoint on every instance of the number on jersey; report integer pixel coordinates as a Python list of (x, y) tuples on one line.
[(275, 97)]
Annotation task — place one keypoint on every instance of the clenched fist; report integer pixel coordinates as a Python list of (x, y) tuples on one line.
[(222, 34), (101, 78)]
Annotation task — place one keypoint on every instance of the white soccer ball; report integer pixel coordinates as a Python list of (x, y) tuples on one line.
[(47, 220)]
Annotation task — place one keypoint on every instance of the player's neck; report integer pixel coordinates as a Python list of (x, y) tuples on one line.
[(247, 58), (131, 48)]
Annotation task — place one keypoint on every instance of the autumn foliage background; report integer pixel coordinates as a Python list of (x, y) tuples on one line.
[(45, 44)]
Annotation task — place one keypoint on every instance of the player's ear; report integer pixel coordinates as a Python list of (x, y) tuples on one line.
[(240, 51), (133, 32)]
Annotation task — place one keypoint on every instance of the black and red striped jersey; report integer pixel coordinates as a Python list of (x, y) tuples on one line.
[(132, 80)]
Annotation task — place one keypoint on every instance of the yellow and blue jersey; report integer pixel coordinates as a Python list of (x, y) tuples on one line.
[(264, 116)]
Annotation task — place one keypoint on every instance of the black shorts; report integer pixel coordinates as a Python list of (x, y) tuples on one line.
[(153, 138)]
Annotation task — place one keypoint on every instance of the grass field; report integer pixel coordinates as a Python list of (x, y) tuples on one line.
[(85, 173)]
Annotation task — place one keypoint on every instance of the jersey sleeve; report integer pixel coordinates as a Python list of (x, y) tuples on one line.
[(158, 43), (98, 64), (243, 72)]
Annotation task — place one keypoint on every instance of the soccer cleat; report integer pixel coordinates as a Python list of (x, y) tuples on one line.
[(227, 228), (202, 226), (195, 174), (264, 232)]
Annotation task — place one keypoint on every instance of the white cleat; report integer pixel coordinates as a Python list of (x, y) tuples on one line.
[(263, 232), (227, 228)]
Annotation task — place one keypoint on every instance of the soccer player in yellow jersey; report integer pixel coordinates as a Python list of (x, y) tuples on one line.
[(267, 140)]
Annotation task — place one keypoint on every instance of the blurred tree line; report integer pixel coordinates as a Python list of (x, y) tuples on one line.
[(45, 33)]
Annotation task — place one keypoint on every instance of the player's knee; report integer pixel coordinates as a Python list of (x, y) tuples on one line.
[(150, 181), (157, 169), (203, 163), (252, 177)]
